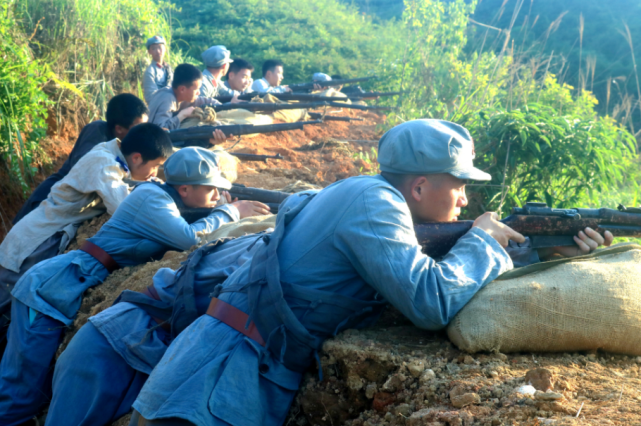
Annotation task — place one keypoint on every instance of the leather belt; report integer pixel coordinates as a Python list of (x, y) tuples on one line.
[(100, 255), (153, 293), (235, 318)]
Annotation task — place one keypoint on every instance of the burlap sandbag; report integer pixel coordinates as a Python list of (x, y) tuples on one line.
[(249, 225), (588, 303)]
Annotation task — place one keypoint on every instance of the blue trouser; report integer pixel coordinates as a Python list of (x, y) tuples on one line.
[(92, 383), (27, 365)]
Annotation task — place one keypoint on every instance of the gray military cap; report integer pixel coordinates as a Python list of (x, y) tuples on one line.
[(429, 147), (155, 40), (216, 57), (194, 166), (319, 76)]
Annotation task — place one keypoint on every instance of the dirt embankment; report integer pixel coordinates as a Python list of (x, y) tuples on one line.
[(55, 149)]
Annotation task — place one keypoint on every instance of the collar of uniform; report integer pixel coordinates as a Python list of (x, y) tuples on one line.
[(122, 163), (159, 65)]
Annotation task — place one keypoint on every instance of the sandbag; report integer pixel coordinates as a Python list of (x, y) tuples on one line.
[(586, 303), (249, 225)]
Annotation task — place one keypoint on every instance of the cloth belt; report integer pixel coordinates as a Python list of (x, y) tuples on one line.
[(235, 318), (153, 293), (100, 255)]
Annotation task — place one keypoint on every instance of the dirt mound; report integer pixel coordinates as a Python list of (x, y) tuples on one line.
[(400, 375)]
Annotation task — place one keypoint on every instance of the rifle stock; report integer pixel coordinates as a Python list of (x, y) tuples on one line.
[(200, 135)]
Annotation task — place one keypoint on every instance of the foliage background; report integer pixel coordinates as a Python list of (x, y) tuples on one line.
[(551, 102)]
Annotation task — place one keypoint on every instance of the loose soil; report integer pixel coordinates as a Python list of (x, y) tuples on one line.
[(394, 373)]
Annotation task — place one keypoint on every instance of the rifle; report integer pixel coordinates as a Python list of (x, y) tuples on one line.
[(319, 116), (269, 107), (200, 135), (307, 97), (307, 87), (242, 192), (256, 157), (546, 227)]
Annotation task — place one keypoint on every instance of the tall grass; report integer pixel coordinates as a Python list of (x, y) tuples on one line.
[(97, 46)]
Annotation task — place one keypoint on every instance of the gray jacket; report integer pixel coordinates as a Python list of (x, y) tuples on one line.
[(156, 77)]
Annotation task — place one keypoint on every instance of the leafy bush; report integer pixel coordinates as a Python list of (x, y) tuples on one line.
[(308, 36), (565, 160), (22, 102)]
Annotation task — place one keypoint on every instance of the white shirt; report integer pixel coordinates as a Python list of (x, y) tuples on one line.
[(94, 185)]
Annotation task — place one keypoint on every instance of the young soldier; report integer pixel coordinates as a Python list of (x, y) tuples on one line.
[(145, 226), (123, 112), (158, 74), (272, 76), (217, 61), (332, 263), (170, 106), (93, 186), (239, 79)]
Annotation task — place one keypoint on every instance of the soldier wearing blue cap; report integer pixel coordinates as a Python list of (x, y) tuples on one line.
[(145, 226), (216, 60), (158, 74), (333, 262)]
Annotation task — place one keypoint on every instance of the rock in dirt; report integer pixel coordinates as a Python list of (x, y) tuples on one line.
[(466, 399), (547, 396), (541, 378)]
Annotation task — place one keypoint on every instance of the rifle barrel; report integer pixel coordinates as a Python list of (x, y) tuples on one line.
[(182, 137), (256, 157)]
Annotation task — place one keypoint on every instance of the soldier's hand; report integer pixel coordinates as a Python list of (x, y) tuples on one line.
[(287, 89), (250, 208), (587, 241), (219, 137), (225, 198), (318, 87), (184, 113), (235, 100), (489, 222)]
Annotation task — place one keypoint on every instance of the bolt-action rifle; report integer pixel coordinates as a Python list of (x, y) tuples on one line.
[(269, 107), (546, 227), (200, 135), (308, 97)]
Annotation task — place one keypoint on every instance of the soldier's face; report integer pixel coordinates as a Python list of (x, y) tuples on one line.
[(437, 198), (240, 80), (157, 52), (198, 196), (275, 77)]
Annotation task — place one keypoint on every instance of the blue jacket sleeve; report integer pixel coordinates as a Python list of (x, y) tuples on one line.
[(160, 219), (427, 292)]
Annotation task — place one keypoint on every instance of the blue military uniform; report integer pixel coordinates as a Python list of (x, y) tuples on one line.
[(333, 262), (116, 350), (47, 298), (209, 384)]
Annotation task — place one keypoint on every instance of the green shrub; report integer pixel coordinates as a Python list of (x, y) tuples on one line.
[(308, 36), (22, 102)]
